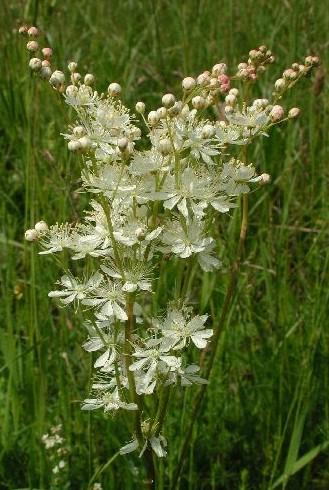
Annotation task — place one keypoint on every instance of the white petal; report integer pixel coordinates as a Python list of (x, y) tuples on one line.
[(93, 344), (130, 447), (102, 359)]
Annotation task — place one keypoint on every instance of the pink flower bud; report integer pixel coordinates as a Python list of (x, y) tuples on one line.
[(32, 46), (33, 32), (47, 53), (277, 113)]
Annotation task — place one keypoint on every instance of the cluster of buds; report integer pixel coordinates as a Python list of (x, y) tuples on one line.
[(33, 234), (291, 75), (258, 60)]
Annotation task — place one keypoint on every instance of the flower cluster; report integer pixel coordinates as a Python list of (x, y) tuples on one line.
[(147, 205), (58, 453)]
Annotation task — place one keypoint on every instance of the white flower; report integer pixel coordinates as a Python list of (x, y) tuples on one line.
[(108, 301), (177, 330), (185, 240), (109, 401), (149, 358), (74, 289)]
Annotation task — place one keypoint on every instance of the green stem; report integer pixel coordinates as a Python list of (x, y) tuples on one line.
[(148, 456)]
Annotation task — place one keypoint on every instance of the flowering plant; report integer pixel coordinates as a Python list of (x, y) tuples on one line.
[(151, 209)]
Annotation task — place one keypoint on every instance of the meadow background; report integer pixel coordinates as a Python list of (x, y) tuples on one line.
[(266, 413)]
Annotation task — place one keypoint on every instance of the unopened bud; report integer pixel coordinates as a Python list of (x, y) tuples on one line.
[(208, 131), (162, 112), (140, 107), (230, 99), (85, 142), (72, 66), (75, 77), (41, 226), (265, 178), (47, 53), (153, 118), (31, 235), (165, 146), (188, 83), (74, 145), (32, 46), (22, 30), (168, 100), (203, 79), (33, 32), (277, 113), (78, 131), (293, 113), (114, 89), (219, 69), (57, 78), (89, 79), (45, 72), (198, 102), (234, 91), (175, 109), (71, 91), (35, 64), (280, 84), (122, 143)]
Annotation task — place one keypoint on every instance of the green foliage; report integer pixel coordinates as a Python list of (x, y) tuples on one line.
[(265, 420)]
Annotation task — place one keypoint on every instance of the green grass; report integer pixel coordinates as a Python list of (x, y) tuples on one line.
[(265, 421)]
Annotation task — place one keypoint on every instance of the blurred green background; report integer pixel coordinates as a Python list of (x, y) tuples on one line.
[(266, 413)]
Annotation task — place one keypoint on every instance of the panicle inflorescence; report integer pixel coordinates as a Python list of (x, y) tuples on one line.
[(152, 207)]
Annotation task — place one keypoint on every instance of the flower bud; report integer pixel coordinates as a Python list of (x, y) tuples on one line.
[(31, 235), (168, 100), (22, 30), (234, 91), (280, 84), (153, 118), (71, 91), (114, 89), (162, 112), (140, 107), (57, 78), (175, 109), (214, 83), (47, 53), (32, 46), (35, 64), (265, 178), (165, 146), (72, 66), (230, 99), (219, 69), (208, 131), (198, 102), (45, 72), (228, 109), (276, 113), (122, 143), (74, 145), (85, 142), (33, 32), (41, 226), (203, 79), (289, 74), (293, 113), (188, 83), (75, 77), (78, 131), (89, 79)]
